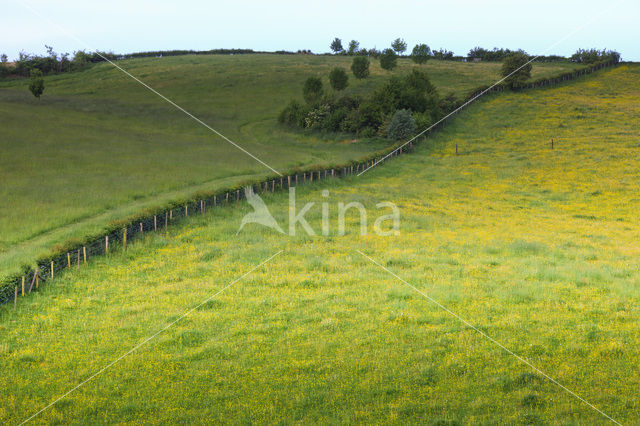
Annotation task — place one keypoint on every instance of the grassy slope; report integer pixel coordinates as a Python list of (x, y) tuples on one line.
[(536, 247), (99, 147)]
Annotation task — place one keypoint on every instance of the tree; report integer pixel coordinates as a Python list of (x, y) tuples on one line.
[(516, 69), (312, 90), (399, 46), (420, 53), (402, 125), (338, 79), (354, 45), (37, 83), (336, 45), (388, 59), (3, 58), (360, 67)]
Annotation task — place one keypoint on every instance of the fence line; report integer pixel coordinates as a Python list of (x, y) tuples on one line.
[(47, 269)]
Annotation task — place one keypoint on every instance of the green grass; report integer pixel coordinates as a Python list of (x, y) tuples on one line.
[(535, 247), (99, 147)]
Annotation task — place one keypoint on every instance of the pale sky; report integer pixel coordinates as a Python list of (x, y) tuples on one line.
[(132, 26)]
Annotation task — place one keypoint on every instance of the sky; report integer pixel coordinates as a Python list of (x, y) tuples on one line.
[(126, 26)]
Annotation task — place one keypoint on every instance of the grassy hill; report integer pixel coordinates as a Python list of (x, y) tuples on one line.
[(99, 147), (535, 247)]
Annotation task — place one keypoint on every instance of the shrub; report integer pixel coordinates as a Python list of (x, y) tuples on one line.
[(338, 79), (388, 59), (360, 67), (420, 53), (312, 90), (293, 114), (316, 117), (37, 83), (333, 121), (517, 69), (402, 125)]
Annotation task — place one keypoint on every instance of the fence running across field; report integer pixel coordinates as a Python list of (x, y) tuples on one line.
[(118, 239)]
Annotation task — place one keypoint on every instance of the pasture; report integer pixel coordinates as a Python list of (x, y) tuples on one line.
[(537, 247), (100, 126)]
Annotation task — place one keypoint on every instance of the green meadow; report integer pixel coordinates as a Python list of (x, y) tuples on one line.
[(98, 147), (534, 246)]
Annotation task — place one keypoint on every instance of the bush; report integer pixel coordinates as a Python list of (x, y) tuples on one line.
[(388, 59), (316, 117), (517, 69), (37, 83), (402, 125), (420, 53), (293, 114), (338, 79), (312, 90), (360, 67)]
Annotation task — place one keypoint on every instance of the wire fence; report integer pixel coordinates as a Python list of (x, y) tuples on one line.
[(45, 270)]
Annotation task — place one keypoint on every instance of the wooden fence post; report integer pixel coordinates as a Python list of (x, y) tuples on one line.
[(227, 198), (237, 195), (202, 207), (155, 223), (15, 299), (214, 201), (166, 220), (37, 280), (23, 285), (106, 244), (288, 181), (68, 260), (52, 269), (78, 260), (84, 254), (186, 210), (124, 239)]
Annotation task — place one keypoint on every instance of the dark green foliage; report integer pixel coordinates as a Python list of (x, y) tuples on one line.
[(312, 90), (414, 92), (483, 54), (336, 45), (338, 78), (402, 125), (591, 56), (360, 67), (420, 53), (443, 54), (293, 114), (388, 59), (517, 69), (399, 46), (36, 86), (372, 116)]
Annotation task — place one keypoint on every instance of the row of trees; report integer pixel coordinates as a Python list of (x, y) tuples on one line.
[(586, 56), (420, 52), (52, 63), (591, 56)]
